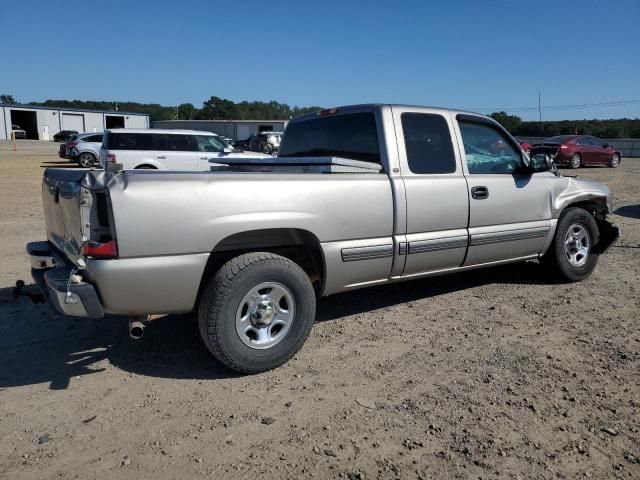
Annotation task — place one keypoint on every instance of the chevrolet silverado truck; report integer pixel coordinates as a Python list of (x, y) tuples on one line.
[(359, 196)]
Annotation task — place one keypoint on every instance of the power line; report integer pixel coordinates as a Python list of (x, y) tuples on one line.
[(559, 107)]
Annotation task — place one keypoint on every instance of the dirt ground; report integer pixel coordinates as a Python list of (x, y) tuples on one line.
[(495, 373)]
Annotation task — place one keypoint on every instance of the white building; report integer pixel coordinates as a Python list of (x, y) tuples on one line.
[(42, 123), (234, 129)]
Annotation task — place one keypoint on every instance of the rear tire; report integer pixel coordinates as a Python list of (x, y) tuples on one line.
[(86, 159), (614, 162), (245, 302), (576, 161), (570, 257)]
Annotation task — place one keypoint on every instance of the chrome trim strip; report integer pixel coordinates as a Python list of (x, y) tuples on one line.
[(508, 235), (355, 254), (433, 245)]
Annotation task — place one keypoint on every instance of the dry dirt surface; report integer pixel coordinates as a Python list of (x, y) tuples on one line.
[(498, 373)]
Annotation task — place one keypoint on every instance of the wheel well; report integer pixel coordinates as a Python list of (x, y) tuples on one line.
[(596, 207), (146, 165), (299, 246)]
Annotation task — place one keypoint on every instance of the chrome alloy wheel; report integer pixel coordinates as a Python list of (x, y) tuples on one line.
[(265, 315), (577, 243)]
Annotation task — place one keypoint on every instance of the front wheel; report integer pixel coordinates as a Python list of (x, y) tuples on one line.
[(571, 256), (256, 312), (614, 161)]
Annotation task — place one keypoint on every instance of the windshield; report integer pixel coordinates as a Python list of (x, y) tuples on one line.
[(353, 136)]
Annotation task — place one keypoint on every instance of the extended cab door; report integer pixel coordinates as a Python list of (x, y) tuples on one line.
[(510, 211), (176, 151), (437, 202)]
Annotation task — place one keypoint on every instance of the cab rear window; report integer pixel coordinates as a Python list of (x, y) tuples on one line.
[(353, 136)]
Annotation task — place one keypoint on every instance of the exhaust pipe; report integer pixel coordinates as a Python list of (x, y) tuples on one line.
[(137, 324), (136, 329)]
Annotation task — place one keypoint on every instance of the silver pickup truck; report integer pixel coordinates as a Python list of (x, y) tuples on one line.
[(359, 196)]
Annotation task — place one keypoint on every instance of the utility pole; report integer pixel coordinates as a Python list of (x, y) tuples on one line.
[(539, 107), (177, 116)]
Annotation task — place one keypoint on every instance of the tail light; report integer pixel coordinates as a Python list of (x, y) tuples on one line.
[(111, 158), (100, 250), (72, 144), (564, 146)]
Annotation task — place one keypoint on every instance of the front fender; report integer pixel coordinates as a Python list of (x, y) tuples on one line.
[(575, 190)]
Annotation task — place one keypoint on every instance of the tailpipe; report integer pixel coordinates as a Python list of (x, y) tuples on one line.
[(136, 329), (137, 324)]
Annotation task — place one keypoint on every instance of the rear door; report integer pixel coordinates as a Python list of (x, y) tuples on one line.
[(176, 151), (509, 211), (437, 200)]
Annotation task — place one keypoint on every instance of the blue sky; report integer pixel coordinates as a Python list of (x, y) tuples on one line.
[(470, 54)]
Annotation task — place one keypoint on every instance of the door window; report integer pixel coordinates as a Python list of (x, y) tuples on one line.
[(180, 143), (209, 143), (487, 150), (428, 143)]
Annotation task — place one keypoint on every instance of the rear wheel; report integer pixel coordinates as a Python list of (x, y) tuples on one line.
[(87, 159), (575, 161), (614, 161), (571, 257), (256, 312)]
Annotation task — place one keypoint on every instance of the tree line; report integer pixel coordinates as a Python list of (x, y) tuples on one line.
[(216, 108), (613, 128)]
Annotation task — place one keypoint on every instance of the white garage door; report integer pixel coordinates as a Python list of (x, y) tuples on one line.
[(73, 121), (243, 132)]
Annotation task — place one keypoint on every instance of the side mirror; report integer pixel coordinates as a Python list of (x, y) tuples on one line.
[(541, 162), (227, 150)]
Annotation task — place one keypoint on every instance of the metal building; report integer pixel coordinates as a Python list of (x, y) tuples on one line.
[(42, 123), (234, 129)]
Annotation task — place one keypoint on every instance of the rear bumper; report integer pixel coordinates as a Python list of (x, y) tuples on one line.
[(65, 294)]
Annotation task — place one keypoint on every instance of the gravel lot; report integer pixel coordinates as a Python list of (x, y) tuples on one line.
[(491, 374)]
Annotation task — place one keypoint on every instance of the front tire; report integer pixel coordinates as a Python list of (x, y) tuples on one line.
[(571, 257), (576, 161), (256, 312), (614, 162)]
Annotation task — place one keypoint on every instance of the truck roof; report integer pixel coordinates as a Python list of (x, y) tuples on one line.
[(161, 130), (368, 107)]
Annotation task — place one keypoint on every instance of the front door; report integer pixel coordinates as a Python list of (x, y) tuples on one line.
[(210, 151), (509, 211)]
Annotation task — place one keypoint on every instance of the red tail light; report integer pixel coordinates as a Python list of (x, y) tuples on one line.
[(72, 144), (111, 158), (564, 146), (100, 250)]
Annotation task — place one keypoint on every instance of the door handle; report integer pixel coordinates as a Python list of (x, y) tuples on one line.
[(161, 157), (479, 193)]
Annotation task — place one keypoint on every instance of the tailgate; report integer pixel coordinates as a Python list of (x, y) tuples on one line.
[(61, 197)]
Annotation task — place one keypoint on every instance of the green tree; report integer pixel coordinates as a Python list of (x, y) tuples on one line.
[(6, 98), (187, 111), (510, 122)]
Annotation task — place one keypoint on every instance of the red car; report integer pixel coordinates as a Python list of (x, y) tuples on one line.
[(579, 150), (524, 145)]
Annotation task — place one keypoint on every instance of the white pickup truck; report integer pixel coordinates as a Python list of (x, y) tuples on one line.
[(359, 196)]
